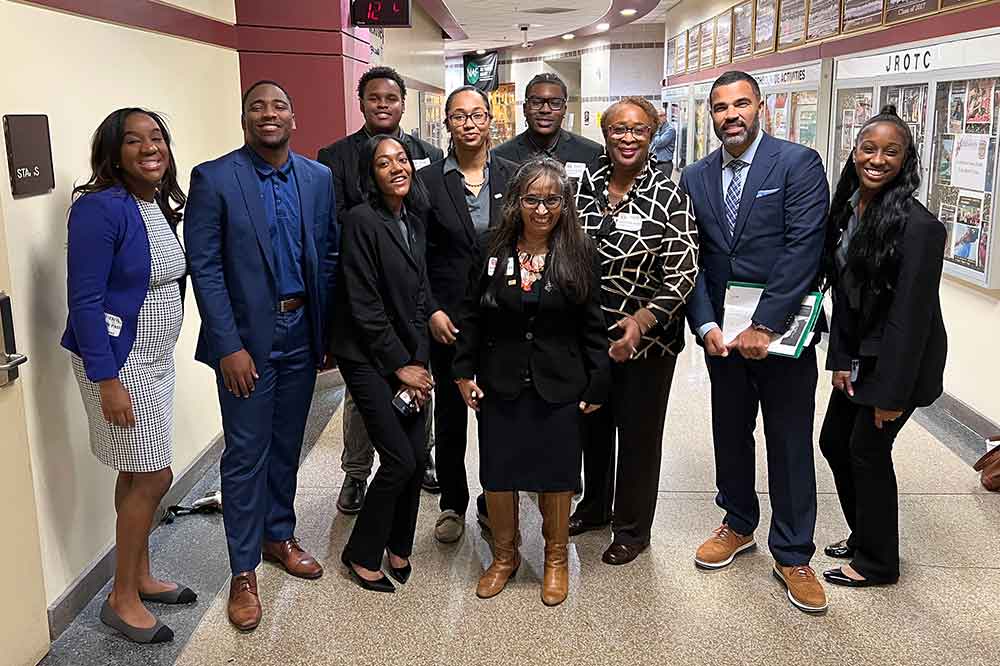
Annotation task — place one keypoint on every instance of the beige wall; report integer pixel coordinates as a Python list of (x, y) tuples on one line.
[(972, 317), (223, 10), (418, 52), (96, 68)]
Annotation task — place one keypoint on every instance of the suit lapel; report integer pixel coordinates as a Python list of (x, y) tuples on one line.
[(761, 167), (249, 182), (498, 189), (712, 181), (303, 179), (456, 192), (397, 237)]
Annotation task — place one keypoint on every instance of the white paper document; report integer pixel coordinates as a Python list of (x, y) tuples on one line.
[(742, 299)]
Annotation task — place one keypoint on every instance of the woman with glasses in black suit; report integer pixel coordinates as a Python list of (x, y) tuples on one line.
[(466, 192), (532, 359)]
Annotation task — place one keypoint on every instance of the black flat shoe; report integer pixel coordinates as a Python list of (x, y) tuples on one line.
[(383, 584), (579, 526), (622, 553), (838, 577), (839, 550)]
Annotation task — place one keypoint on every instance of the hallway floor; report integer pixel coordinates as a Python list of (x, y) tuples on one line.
[(657, 610)]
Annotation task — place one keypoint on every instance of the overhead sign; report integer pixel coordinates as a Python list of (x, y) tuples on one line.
[(947, 55), (481, 71), (380, 13), (29, 154)]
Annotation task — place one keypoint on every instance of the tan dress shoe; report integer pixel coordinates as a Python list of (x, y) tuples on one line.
[(804, 590), (289, 554), (722, 547), (244, 604)]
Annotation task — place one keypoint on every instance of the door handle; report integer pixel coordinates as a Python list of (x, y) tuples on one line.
[(13, 360)]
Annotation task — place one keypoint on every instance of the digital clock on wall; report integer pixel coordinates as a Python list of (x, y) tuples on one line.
[(384, 13)]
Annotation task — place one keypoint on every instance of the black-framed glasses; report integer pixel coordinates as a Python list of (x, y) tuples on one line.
[(555, 103), (458, 118), (638, 132), (531, 202)]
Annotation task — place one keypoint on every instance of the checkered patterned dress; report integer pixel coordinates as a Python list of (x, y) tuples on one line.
[(148, 373)]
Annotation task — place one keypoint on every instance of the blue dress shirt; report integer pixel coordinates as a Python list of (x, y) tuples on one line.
[(279, 193)]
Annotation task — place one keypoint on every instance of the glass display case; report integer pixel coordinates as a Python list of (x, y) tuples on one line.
[(791, 103), (911, 105), (679, 105), (432, 119), (852, 108), (502, 100)]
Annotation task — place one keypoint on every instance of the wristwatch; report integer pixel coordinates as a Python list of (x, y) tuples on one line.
[(761, 327)]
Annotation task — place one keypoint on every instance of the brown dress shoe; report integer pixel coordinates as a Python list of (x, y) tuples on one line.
[(289, 554), (804, 590), (722, 547), (555, 528), (244, 604), (503, 511)]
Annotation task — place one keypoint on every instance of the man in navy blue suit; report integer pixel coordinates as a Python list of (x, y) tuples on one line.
[(761, 205), (261, 236)]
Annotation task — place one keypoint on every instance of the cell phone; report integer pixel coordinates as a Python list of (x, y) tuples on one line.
[(404, 402)]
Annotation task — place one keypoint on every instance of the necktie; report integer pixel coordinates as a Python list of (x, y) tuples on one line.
[(734, 193)]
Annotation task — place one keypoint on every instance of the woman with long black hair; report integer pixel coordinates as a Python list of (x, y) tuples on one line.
[(532, 358), (125, 282), (381, 343), (887, 345)]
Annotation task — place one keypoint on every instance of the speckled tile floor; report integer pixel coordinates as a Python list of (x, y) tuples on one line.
[(657, 610)]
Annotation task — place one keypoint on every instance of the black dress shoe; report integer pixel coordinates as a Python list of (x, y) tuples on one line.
[(839, 550), (430, 482), (352, 495), (579, 526), (838, 577), (383, 584), (622, 553), (402, 574)]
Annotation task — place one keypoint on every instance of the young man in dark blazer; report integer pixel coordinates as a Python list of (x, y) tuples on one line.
[(382, 97), (261, 236), (761, 205)]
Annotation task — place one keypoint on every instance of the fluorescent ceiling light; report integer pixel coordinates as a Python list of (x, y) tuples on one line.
[(628, 12), (601, 27), (480, 51), (568, 35)]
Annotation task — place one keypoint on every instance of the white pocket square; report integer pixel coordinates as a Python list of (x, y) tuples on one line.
[(764, 193)]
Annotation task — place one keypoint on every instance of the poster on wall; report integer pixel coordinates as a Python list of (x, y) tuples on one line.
[(968, 225), (680, 64), (860, 14), (742, 30), (911, 108), (765, 26), (724, 38), (707, 44), (694, 48), (671, 57), (481, 70), (979, 107), (968, 161), (944, 164), (904, 10), (956, 108), (824, 19), (791, 23)]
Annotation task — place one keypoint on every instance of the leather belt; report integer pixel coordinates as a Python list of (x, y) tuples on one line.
[(291, 304)]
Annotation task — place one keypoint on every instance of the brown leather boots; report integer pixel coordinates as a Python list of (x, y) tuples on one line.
[(503, 512)]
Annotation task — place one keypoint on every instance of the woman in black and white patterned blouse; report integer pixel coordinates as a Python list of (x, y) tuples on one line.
[(648, 243)]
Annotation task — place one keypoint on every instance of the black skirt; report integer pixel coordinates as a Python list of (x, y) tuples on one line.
[(529, 444)]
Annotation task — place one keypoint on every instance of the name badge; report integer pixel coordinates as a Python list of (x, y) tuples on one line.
[(628, 222), (510, 266), (421, 163), (114, 324), (491, 268), (575, 169)]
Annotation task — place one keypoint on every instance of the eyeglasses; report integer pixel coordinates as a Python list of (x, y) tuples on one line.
[(638, 132), (531, 202), (458, 118), (555, 103)]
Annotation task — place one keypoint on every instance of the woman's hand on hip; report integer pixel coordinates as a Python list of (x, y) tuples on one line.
[(624, 347), (471, 393), (442, 328), (883, 416), (842, 380), (588, 408), (116, 404)]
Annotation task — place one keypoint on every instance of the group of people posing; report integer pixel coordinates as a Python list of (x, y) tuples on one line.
[(545, 284)]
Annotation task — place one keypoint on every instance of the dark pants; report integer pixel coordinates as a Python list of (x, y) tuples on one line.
[(264, 435), (358, 455), (451, 422), (860, 456), (636, 409), (784, 389), (388, 518)]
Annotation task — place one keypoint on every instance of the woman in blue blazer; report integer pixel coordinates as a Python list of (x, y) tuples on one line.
[(125, 279)]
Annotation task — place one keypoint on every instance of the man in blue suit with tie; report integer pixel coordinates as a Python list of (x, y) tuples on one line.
[(261, 236), (761, 205)]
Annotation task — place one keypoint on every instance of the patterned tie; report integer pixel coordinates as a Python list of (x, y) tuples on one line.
[(733, 194)]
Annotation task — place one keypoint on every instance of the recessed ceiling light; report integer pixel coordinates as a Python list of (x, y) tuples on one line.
[(480, 51), (628, 12), (601, 27), (568, 35)]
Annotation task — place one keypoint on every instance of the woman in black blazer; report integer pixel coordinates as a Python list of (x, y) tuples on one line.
[(532, 357), (887, 340), (381, 344), (466, 191)]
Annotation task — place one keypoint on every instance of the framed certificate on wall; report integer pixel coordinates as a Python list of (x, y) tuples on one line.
[(680, 64), (743, 30), (694, 48), (904, 10), (861, 14), (765, 25), (724, 38), (708, 44), (824, 19), (791, 23)]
